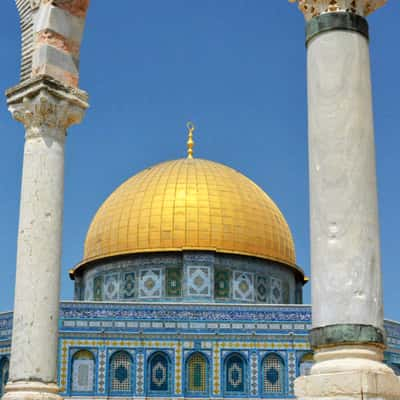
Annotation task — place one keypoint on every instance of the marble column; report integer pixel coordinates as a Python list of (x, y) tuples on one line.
[(46, 109), (347, 335)]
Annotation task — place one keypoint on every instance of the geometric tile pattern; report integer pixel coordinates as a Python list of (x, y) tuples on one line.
[(272, 374), (159, 373), (102, 371), (254, 374), (197, 381), (140, 373), (276, 291), (217, 367), (63, 376), (178, 368), (291, 371), (150, 283), (199, 281), (121, 372), (177, 346), (243, 286), (262, 289), (235, 379), (222, 283), (111, 287)]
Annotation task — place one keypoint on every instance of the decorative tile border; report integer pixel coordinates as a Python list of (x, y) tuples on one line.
[(291, 368), (254, 374), (185, 312), (217, 367), (102, 371), (140, 373), (178, 368)]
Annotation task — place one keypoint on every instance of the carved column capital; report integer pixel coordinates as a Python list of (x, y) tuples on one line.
[(313, 8), (45, 115)]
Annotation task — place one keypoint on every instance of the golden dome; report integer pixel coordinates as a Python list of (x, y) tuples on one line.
[(190, 204)]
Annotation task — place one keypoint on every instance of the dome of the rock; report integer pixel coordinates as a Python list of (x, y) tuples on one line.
[(189, 204)]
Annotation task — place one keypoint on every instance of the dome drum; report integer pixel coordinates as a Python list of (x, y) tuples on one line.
[(189, 276)]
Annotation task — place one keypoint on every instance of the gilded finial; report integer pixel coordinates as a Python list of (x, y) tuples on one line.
[(190, 142)]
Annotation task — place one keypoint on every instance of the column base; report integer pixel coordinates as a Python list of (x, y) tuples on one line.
[(31, 391), (349, 372)]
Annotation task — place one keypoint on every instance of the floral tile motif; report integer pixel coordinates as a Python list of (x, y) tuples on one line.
[(243, 286), (111, 287), (150, 283), (276, 291), (199, 281), (263, 289)]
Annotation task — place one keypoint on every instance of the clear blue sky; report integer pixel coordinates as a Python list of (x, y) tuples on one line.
[(237, 69)]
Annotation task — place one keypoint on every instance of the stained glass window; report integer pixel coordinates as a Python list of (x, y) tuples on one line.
[(221, 283), (273, 374), (197, 376), (235, 376), (121, 372), (83, 371), (159, 373), (4, 366), (173, 282), (129, 285), (98, 288)]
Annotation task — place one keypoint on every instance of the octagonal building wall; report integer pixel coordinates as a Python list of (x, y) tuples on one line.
[(189, 276)]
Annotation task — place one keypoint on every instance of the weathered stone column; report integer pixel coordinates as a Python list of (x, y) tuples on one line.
[(347, 335), (46, 109), (47, 101)]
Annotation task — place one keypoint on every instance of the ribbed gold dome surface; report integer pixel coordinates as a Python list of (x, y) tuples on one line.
[(190, 204)]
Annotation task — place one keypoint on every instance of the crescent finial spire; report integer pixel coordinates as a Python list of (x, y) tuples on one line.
[(190, 142)]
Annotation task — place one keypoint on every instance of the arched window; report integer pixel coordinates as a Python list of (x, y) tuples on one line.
[(120, 373), (235, 374), (197, 374), (159, 373), (82, 372), (4, 367), (306, 363), (273, 375)]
